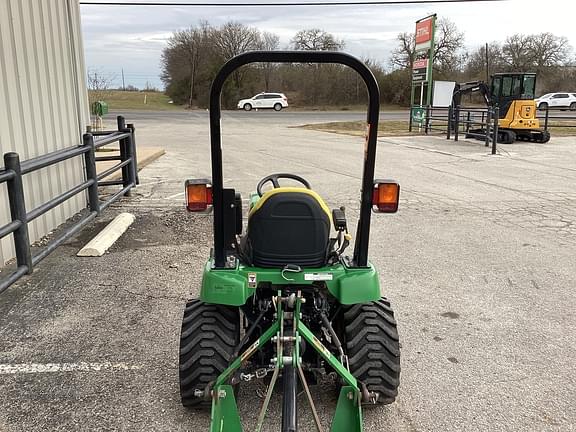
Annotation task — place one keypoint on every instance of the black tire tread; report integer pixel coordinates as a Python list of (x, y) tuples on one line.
[(209, 336), (373, 347)]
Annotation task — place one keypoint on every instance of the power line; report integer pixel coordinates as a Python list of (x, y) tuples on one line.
[(313, 3)]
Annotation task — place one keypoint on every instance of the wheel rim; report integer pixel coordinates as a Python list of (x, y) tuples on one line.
[(247, 107), (277, 107)]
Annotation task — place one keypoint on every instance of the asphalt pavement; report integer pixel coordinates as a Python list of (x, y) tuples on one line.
[(288, 116), (284, 117), (478, 264)]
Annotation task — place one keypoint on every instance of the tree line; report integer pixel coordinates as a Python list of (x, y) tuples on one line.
[(193, 56)]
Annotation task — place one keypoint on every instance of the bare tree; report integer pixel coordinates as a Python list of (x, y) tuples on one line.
[(268, 42), (316, 40), (234, 38), (191, 60), (548, 50), (535, 52), (99, 85), (186, 51), (476, 67), (448, 44), (99, 88), (403, 55), (516, 53)]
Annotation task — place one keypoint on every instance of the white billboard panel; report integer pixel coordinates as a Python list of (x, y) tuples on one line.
[(443, 91)]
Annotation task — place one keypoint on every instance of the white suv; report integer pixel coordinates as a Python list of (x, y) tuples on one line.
[(557, 100), (264, 100)]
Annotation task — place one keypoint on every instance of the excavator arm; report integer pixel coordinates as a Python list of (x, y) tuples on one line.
[(471, 87)]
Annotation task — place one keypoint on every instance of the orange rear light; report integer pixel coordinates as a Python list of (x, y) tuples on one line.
[(198, 195), (385, 196)]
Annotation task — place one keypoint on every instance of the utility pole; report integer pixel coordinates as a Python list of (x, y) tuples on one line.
[(123, 84), (487, 65), (193, 74)]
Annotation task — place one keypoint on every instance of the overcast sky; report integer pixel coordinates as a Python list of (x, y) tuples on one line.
[(132, 37)]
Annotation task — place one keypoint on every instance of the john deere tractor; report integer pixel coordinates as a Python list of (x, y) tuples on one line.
[(282, 300)]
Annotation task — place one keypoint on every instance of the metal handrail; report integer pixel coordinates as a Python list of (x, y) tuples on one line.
[(109, 139), (49, 159), (547, 117), (14, 170), (451, 120), (113, 169)]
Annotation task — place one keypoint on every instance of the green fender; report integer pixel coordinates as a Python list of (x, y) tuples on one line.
[(234, 286)]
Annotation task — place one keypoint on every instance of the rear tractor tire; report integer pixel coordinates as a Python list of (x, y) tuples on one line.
[(209, 336), (373, 348)]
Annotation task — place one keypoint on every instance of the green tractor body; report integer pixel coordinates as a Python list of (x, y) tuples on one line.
[(280, 298), (233, 287)]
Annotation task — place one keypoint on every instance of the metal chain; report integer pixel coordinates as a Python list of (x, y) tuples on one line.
[(258, 374)]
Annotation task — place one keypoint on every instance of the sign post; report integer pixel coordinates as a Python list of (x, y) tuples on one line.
[(423, 59)]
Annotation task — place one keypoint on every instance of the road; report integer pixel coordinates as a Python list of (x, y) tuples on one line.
[(286, 117), (478, 264)]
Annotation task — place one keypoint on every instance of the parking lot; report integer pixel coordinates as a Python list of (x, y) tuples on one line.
[(478, 264)]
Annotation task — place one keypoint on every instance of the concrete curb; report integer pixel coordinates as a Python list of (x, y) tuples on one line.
[(146, 155), (108, 236)]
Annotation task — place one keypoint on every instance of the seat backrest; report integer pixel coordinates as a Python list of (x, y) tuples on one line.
[(289, 226)]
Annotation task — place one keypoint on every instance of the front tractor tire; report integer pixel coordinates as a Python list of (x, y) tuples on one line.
[(373, 348), (209, 336)]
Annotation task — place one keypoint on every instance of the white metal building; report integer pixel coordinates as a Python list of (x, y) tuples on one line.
[(43, 103)]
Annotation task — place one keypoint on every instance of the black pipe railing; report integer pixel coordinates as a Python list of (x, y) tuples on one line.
[(452, 121), (14, 170), (430, 120), (559, 120)]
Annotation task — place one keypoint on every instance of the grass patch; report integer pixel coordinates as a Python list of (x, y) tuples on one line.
[(358, 128), (560, 129), (352, 108), (126, 100), (400, 128)]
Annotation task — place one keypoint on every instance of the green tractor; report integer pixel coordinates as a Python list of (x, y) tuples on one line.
[(282, 301)]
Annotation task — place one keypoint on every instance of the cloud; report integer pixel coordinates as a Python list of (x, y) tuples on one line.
[(132, 37)]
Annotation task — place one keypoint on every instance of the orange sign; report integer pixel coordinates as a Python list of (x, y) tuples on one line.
[(424, 31)]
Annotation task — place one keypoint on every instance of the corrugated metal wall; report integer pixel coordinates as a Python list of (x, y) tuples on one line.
[(43, 102)]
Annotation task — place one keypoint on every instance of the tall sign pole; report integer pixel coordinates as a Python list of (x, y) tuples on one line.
[(431, 59), (423, 59)]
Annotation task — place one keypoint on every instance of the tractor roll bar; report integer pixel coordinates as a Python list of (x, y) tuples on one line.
[(363, 233)]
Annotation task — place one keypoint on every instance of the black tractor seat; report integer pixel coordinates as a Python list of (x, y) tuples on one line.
[(288, 225)]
